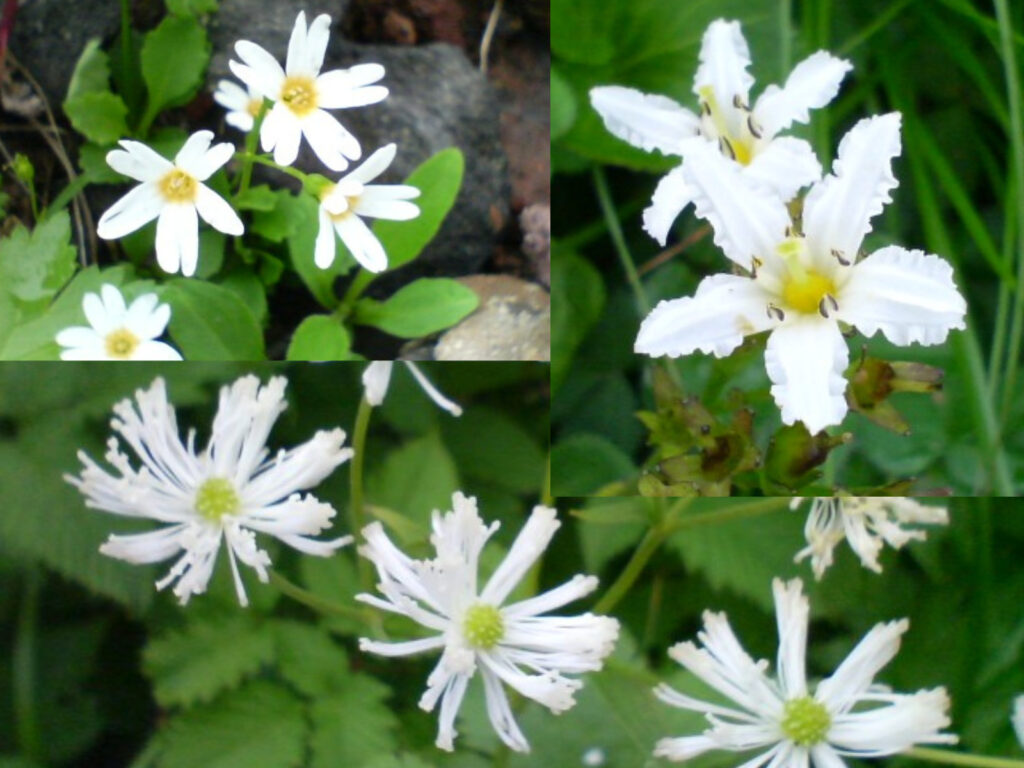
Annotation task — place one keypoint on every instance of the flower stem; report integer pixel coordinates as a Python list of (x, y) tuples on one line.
[(356, 509), (736, 512), (23, 670), (619, 241), (250, 151), (961, 758), (317, 603)]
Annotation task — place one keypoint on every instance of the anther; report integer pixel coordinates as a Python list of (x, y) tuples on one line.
[(828, 300), (840, 258), (737, 101), (754, 128), (776, 313), (705, 108), (726, 147)]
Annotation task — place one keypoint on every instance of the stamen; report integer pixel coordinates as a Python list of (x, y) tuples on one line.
[(121, 343), (776, 313), (215, 498), (483, 626), (726, 147), (838, 255), (737, 102), (754, 128), (705, 108), (177, 186), (298, 93), (805, 721)]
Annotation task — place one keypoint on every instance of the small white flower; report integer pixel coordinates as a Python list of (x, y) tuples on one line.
[(512, 644), (343, 204), (243, 104), (118, 332), (846, 716), (228, 491), (377, 377), (171, 193), (867, 522), (1018, 718), (301, 94), (802, 286), (748, 137)]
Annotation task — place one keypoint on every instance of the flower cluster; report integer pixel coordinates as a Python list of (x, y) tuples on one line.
[(803, 279)]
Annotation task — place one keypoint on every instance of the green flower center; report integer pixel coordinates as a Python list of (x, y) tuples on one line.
[(121, 343), (805, 721), (178, 187), (483, 626), (215, 498)]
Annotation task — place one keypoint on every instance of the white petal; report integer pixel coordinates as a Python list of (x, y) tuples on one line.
[(647, 121), (908, 295), (156, 350), (316, 43), (838, 209), (177, 239), (433, 393), (95, 351), (231, 95), (97, 315), (725, 309), (362, 243), (389, 191), (265, 75), (784, 165), (376, 378), (854, 676), (337, 91), (273, 123), (805, 359), (191, 154), (748, 222), (792, 611), (136, 209), (296, 60), (145, 319), (393, 210), (500, 713), (323, 251), (671, 196), (724, 58), (243, 121), (216, 211), (812, 84), (206, 164), (149, 547), (138, 161), (373, 166), (529, 545), (288, 137), (330, 140), (113, 302), (824, 756), (1018, 718), (908, 719), (80, 337)]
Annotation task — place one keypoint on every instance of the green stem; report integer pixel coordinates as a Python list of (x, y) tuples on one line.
[(250, 152), (317, 603), (619, 241), (23, 662), (644, 551), (66, 195), (546, 498), (738, 512), (1002, 323), (961, 758), (356, 509)]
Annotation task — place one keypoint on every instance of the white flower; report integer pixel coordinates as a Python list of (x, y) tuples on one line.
[(243, 104), (867, 522), (511, 644), (1018, 718), (846, 716), (118, 332), (228, 491), (377, 377), (301, 94), (748, 137), (801, 286), (343, 204), (174, 192)]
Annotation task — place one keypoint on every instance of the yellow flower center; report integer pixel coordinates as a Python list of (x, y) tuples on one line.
[(178, 187), (299, 94), (805, 721), (803, 289), (215, 498), (121, 344), (254, 106), (350, 202), (738, 146), (483, 626)]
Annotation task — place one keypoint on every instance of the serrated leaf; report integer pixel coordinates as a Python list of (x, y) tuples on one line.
[(261, 198), (92, 71), (320, 337), (35, 265), (98, 116), (331, 578), (422, 307), (353, 725), (197, 663), (260, 725), (210, 322), (307, 657), (174, 57)]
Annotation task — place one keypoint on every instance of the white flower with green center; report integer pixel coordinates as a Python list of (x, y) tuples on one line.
[(117, 331), (511, 644), (229, 491), (243, 104), (805, 287), (747, 136), (173, 194), (343, 206), (867, 522), (377, 378), (847, 715), (301, 94)]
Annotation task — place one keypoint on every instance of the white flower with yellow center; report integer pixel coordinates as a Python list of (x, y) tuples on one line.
[(117, 331), (173, 194), (243, 104), (848, 715), (377, 377), (511, 644), (343, 205), (747, 136), (301, 94), (801, 287), (229, 491), (867, 522)]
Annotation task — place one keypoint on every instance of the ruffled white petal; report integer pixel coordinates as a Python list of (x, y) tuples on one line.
[(671, 196), (724, 58), (529, 545), (792, 613), (648, 121), (853, 678), (376, 378), (812, 84), (902, 721), (784, 165)]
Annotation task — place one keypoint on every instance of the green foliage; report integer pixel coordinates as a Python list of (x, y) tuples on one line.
[(94, 111), (422, 307), (577, 298), (582, 464), (35, 264), (209, 322), (320, 337), (353, 724), (173, 58), (191, 7)]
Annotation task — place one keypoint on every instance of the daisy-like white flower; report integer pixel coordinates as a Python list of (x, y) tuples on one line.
[(1017, 718), (301, 94), (867, 522), (846, 716), (802, 286), (116, 331), (512, 644), (243, 104), (747, 137), (377, 377), (343, 205), (171, 193), (228, 491)]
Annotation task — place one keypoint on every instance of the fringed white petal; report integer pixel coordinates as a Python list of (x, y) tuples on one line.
[(792, 613), (376, 378), (901, 721), (530, 543), (671, 196), (724, 58), (647, 121), (812, 84), (784, 165), (852, 679)]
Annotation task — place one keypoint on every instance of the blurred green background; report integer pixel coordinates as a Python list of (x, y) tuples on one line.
[(952, 68)]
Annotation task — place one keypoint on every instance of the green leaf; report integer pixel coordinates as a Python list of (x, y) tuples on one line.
[(261, 198), (191, 7), (302, 221), (582, 463), (422, 307), (320, 337), (210, 322), (260, 725), (577, 300), (174, 58), (563, 105), (92, 71), (307, 657), (35, 265), (205, 658), (249, 288), (353, 725), (490, 446), (100, 116)]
